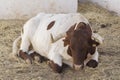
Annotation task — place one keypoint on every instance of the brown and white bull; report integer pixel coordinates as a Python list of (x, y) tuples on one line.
[(62, 38)]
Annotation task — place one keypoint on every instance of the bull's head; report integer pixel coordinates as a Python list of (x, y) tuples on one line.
[(80, 40)]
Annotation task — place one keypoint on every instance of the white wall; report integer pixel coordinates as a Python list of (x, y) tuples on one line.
[(112, 5), (21, 9)]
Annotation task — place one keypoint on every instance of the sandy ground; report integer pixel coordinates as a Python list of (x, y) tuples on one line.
[(106, 23)]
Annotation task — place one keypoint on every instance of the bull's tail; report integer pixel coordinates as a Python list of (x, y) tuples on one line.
[(15, 47)]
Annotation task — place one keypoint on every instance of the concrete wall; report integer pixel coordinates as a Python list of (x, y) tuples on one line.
[(22, 9), (112, 5)]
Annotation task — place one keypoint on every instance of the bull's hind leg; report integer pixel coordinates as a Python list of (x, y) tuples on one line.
[(23, 53)]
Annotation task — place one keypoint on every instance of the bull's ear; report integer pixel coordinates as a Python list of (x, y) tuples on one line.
[(96, 39)]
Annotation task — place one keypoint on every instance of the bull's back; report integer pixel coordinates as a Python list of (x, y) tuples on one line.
[(31, 25)]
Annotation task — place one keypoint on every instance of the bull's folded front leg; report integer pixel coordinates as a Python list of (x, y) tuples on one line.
[(55, 61), (55, 67)]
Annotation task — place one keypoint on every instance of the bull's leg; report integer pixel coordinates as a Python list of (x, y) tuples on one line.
[(55, 62), (23, 53), (55, 67), (93, 62)]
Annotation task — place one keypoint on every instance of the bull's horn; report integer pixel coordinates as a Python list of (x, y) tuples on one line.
[(56, 39)]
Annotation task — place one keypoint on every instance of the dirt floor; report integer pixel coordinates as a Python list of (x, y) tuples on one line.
[(106, 23)]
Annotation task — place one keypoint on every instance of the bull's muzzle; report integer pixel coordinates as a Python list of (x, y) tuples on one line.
[(77, 67)]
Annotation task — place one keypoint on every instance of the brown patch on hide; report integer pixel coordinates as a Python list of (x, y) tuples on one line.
[(79, 42), (51, 25), (56, 68)]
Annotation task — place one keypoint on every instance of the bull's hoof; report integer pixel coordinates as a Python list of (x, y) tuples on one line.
[(37, 58), (92, 63), (25, 57), (56, 68), (28, 61)]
